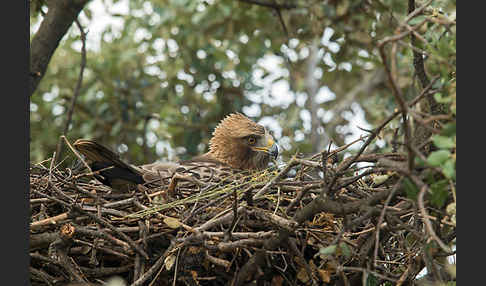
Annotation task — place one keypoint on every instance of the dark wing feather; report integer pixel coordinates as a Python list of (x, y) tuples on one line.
[(99, 157), (199, 170)]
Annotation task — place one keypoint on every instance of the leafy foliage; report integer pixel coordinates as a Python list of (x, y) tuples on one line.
[(193, 62)]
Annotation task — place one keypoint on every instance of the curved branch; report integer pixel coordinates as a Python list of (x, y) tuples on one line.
[(76, 91), (427, 222)]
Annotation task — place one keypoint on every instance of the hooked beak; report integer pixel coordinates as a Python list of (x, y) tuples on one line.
[(273, 151)]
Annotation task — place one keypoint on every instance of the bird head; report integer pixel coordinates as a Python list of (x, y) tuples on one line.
[(242, 143)]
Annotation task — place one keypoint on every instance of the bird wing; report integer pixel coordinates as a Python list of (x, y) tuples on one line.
[(187, 175), (119, 175), (114, 172)]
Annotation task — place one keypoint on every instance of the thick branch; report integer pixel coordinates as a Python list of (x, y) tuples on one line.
[(59, 18), (323, 204)]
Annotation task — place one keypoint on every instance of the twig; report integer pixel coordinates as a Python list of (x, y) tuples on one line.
[(216, 221), (350, 268), (232, 245), (217, 261), (175, 269), (156, 266), (295, 250), (50, 220), (281, 222), (101, 221), (282, 173), (106, 271), (302, 192), (401, 102), (270, 5), (380, 219), (60, 248), (76, 153), (235, 215), (414, 12), (76, 90), (46, 278), (257, 260), (80, 230), (104, 249), (427, 222)]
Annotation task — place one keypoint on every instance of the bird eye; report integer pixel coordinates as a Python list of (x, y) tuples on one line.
[(251, 140)]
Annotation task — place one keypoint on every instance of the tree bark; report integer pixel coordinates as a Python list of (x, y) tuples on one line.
[(59, 18)]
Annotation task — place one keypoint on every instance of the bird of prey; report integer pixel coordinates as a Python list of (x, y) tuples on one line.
[(238, 144)]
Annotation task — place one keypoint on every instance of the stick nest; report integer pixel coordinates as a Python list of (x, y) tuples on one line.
[(311, 221)]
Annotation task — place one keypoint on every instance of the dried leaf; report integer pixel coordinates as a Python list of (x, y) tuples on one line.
[(451, 209), (194, 276), (194, 250), (311, 240), (116, 281), (325, 275), (302, 275), (377, 180), (169, 261), (172, 222)]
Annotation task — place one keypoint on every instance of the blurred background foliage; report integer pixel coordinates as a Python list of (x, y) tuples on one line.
[(160, 74)]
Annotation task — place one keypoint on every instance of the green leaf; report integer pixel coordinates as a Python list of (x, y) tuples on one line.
[(410, 189), (225, 9), (438, 84), (437, 158), (115, 129), (443, 142), (328, 250), (438, 97), (417, 20), (449, 169), (449, 129), (345, 249), (197, 18), (439, 193), (372, 280), (419, 162)]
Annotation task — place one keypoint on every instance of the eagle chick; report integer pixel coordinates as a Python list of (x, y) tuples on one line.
[(237, 144)]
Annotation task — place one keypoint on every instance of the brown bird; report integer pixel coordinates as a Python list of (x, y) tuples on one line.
[(238, 144)]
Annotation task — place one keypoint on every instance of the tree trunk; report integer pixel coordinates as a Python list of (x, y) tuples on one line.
[(59, 18)]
